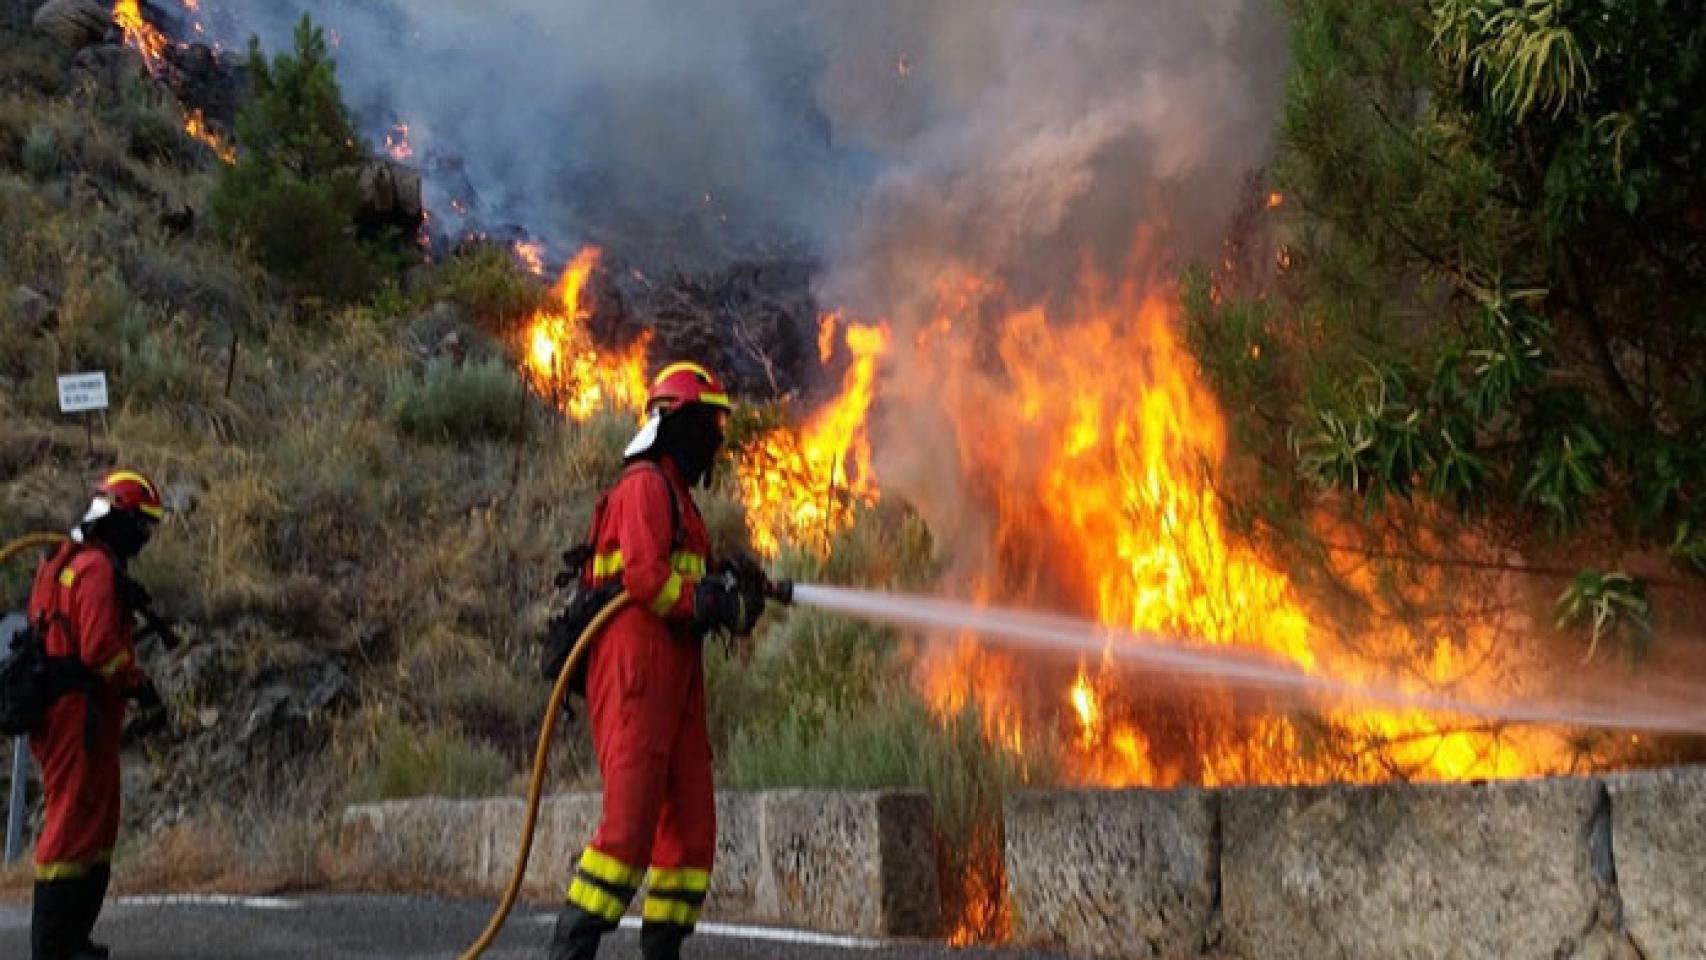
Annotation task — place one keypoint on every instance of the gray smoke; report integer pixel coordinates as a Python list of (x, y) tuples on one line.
[(855, 131)]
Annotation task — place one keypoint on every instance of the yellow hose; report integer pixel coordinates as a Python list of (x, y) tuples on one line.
[(537, 784), (29, 540)]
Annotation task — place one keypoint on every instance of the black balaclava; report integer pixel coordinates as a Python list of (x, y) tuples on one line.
[(124, 532), (691, 436)]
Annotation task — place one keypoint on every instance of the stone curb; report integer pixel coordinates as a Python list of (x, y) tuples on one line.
[(1560, 869), (860, 863)]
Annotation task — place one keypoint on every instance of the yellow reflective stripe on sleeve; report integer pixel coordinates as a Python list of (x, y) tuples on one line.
[(685, 879), (114, 665), (596, 900), (602, 866), (663, 910), (607, 565), (666, 599), (67, 577), (690, 565)]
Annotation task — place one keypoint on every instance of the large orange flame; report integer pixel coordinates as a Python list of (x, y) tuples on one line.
[(566, 366), (801, 486), (1098, 450), (147, 40)]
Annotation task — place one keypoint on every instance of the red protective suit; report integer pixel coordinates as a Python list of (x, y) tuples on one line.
[(646, 698), (77, 745)]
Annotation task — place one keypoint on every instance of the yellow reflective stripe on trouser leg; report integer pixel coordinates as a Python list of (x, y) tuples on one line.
[(71, 869), (661, 909), (602, 866), (685, 879), (596, 900), (666, 599)]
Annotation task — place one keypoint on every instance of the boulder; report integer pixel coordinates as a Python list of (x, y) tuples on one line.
[(74, 24), (1112, 873), (390, 196), (108, 69), (1658, 838), (30, 312), (1411, 872)]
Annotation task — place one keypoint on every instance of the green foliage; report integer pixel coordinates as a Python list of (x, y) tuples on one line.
[(40, 155), (291, 196), (1497, 269), (460, 403), (485, 282), (416, 763), (1611, 605)]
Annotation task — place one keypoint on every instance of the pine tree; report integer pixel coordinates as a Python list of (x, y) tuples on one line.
[(1496, 293), (291, 197)]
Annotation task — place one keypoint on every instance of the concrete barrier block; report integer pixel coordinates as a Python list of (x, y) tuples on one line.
[(1112, 873), (823, 856), (734, 882), (1658, 836), (433, 837), (1447, 871)]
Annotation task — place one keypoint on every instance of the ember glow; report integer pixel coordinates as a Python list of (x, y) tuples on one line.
[(397, 143), (1097, 451), (802, 486), (563, 363)]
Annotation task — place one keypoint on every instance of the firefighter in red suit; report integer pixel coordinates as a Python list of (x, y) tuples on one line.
[(646, 680), (83, 602)]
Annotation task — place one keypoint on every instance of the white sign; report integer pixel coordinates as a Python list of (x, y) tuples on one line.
[(79, 392)]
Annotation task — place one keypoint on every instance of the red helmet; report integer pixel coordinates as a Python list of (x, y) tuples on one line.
[(680, 384), (130, 490)]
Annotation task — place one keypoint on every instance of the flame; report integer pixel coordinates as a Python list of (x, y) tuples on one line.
[(802, 486), (141, 35), (564, 365), (531, 255), (196, 126), (1275, 199), (397, 145), (1098, 451)]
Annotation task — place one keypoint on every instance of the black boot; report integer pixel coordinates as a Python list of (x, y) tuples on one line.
[(577, 935), (662, 941), (64, 913)]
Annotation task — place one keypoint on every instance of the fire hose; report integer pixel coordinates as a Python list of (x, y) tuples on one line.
[(28, 541)]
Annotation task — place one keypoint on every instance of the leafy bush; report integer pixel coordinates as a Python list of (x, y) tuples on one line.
[(40, 155), (291, 196), (460, 404), (415, 763), (486, 283)]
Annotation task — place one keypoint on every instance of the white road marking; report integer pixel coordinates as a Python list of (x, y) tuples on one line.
[(741, 931), (208, 900)]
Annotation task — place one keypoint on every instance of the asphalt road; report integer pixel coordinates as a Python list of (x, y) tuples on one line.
[(335, 927)]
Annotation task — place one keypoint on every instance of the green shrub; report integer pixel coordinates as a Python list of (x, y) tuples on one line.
[(414, 763), (460, 404), (486, 283), (41, 157)]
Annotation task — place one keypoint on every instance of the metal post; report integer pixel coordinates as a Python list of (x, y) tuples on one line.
[(15, 811)]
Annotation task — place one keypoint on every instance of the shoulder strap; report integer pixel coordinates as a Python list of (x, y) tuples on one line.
[(675, 532)]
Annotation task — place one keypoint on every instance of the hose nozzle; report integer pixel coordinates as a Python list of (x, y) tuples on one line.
[(781, 591)]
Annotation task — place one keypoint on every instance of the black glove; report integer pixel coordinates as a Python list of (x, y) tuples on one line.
[(133, 595), (722, 602)]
